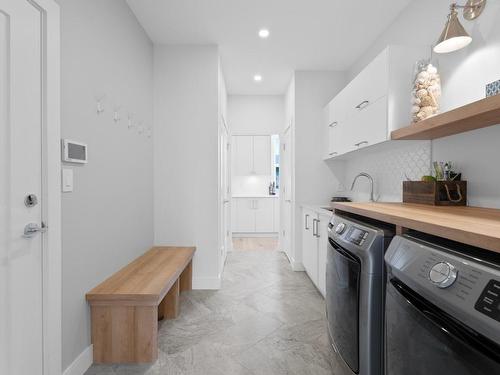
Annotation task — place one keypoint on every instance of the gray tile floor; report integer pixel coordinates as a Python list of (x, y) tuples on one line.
[(266, 319)]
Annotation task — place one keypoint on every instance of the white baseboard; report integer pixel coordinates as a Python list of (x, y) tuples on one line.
[(297, 266), (81, 363), (211, 283)]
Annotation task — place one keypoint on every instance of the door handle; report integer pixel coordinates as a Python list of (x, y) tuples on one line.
[(363, 104), (333, 124), (32, 229), (333, 153), (306, 227)]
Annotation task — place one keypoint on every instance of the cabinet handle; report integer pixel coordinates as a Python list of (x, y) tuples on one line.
[(333, 124), (306, 226), (333, 153), (363, 104), (361, 143), (315, 228)]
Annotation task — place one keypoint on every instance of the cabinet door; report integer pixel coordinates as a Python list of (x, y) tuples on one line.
[(276, 224), (242, 155), (333, 140), (322, 249), (262, 155), (244, 215), (264, 215), (370, 125), (370, 85), (310, 245), (326, 133)]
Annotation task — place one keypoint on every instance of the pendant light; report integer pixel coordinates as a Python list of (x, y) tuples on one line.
[(454, 36)]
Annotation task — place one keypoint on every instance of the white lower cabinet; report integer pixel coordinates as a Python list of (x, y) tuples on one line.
[(314, 246), (310, 244), (254, 215)]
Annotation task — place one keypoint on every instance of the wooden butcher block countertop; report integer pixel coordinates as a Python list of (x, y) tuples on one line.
[(470, 225)]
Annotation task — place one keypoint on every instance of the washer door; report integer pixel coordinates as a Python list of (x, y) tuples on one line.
[(342, 303), (421, 339)]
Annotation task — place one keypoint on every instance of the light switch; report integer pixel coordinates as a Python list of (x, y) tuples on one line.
[(67, 180)]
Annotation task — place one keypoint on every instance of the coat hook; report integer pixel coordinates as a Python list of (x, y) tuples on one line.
[(116, 114), (130, 121), (140, 128), (100, 104)]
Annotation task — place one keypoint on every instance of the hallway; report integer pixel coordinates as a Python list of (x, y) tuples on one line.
[(265, 320)]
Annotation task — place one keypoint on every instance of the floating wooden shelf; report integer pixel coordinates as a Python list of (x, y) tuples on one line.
[(476, 115)]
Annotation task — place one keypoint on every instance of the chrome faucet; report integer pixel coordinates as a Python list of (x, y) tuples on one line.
[(363, 174)]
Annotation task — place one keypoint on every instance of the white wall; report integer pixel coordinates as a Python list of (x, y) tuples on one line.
[(256, 114), (186, 154), (464, 75), (313, 180), (108, 220)]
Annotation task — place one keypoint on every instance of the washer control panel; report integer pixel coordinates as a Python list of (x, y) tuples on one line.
[(340, 228), (489, 301), (356, 235), (443, 274)]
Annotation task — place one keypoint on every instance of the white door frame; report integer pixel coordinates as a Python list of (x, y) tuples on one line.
[(51, 186)]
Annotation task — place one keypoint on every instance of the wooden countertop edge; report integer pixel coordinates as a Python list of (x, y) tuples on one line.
[(470, 238), (130, 298)]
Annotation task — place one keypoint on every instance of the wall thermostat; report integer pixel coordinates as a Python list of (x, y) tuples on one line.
[(74, 152)]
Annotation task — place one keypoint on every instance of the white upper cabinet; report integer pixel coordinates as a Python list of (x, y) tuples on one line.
[(373, 104), (242, 155), (251, 155), (262, 155)]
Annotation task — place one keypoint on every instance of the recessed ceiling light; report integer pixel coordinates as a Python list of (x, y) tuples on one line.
[(264, 33), (257, 78)]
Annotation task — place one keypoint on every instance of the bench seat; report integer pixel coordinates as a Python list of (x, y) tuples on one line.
[(126, 307)]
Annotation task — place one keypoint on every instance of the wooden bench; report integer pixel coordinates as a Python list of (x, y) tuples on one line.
[(126, 307)]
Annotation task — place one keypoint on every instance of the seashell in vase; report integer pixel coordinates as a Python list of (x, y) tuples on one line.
[(426, 91)]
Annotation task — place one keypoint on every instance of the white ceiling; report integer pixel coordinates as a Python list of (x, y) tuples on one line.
[(305, 34)]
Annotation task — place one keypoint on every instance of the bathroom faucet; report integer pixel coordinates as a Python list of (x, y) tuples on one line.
[(363, 174)]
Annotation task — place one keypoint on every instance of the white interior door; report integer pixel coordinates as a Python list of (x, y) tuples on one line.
[(20, 175)]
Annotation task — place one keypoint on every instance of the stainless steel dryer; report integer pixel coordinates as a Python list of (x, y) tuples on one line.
[(355, 286)]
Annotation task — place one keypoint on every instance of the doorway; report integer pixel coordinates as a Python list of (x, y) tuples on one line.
[(30, 250), (255, 186)]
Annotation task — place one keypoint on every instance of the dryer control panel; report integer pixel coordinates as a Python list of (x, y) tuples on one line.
[(489, 301)]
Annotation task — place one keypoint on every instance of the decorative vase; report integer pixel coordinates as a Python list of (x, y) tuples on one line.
[(426, 90)]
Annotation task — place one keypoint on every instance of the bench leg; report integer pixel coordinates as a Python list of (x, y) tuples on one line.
[(187, 277), (125, 334), (169, 306)]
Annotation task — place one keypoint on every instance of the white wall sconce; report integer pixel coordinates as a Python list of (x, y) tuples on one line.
[(454, 36)]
